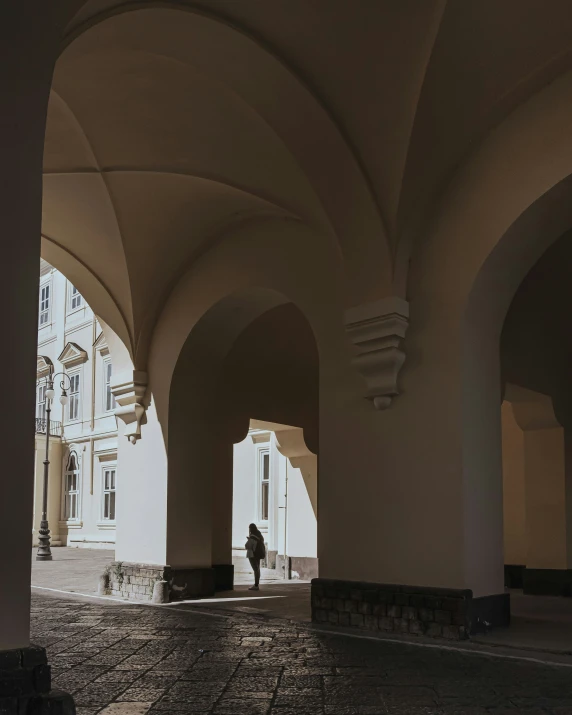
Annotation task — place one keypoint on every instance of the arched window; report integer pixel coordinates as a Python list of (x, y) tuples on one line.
[(71, 503)]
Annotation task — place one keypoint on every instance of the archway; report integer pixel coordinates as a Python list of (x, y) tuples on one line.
[(251, 356)]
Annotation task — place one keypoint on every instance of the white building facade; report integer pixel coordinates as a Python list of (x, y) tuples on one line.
[(275, 491), (83, 434)]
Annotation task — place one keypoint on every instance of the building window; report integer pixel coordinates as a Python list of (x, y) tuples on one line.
[(71, 504), (75, 298), (264, 480), (44, 304), (109, 493), (110, 403), (41, 402), (74, 403)]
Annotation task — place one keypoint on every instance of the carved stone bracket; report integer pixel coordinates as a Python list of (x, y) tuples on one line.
[(129, 391), (377, 331)]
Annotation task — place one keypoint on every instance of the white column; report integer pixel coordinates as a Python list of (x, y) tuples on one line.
[(142, 495)]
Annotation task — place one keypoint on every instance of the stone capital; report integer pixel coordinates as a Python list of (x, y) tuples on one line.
[(377, 330), (129, 389)]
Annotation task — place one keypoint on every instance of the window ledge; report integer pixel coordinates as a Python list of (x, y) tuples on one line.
[(72, 524), (106, 525)]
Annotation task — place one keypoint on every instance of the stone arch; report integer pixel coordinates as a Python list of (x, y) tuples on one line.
[(311, 165), (251, 355), (524, 158)]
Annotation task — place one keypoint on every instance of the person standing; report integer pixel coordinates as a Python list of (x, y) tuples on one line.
[(255, 551)]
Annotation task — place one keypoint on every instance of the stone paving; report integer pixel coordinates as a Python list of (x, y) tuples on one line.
[(129, 660)]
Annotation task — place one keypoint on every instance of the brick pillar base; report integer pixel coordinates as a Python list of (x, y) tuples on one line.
[(441, 613), (137, 581), (25, 685)]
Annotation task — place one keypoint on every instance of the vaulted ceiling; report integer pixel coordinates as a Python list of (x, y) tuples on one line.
[(169, 123)]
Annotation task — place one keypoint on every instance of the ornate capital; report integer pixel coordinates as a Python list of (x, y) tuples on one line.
[(377, 331), (129, 388)]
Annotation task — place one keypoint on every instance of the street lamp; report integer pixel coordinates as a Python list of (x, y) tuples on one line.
[(44, 552)]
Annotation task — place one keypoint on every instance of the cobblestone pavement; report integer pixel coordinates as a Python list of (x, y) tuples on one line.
[(131, 660)]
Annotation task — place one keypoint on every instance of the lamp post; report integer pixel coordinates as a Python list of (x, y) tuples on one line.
[(44, 552)]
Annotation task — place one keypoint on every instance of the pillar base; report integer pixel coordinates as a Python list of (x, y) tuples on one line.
[(25, 684), (416, 610), (137, 581), (547, 582), (224, 577)]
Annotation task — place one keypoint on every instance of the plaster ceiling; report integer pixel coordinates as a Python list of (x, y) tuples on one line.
[(173, 121)]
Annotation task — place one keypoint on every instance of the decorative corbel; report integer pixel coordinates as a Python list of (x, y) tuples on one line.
[(377, 330), (129, 388)]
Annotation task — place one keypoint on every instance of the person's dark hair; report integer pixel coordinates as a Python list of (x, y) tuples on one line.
[(253, 529)]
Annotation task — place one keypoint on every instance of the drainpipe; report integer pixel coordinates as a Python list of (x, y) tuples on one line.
[(286, 569)]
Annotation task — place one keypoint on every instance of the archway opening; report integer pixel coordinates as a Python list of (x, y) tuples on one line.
[(243, 419), (536, 349)]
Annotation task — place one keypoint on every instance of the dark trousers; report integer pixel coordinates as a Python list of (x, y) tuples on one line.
[(255, 563)]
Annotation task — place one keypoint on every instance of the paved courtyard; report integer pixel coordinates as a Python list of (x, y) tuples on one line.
[(130, 659)]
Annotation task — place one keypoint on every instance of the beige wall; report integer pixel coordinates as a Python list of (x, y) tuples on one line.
[(514, 491)]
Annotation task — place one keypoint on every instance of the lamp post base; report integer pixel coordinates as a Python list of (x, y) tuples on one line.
[(44, 552)]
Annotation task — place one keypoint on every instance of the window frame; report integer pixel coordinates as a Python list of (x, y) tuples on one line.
[(107, 363), (41, 412), (75, 492), (72, 297), (262, 453), (108, 467), (78, 418), (45, 285)]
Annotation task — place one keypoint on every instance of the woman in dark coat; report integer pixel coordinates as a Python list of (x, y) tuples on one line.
[(256, 551)]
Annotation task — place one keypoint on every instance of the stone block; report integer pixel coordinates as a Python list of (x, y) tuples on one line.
[(343, 593), (409, 613), (15, 682), (370, 623), (385, 596), (434, 630), (417, 600), (42, 678), (451, 632), (339, 604), (458, 619), (344, 618), (318, 591), (10, 659), (333, 617), (401, 625), (385, 623), (356, 619), (33, 656), (443, 617), (350, 606), (321, 615), (394, 611), (364, 608), (455, 605), (417, 628), (401, 599), (433, 602), (426, 614), (356, 595), (370, 596), (380, 609)]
